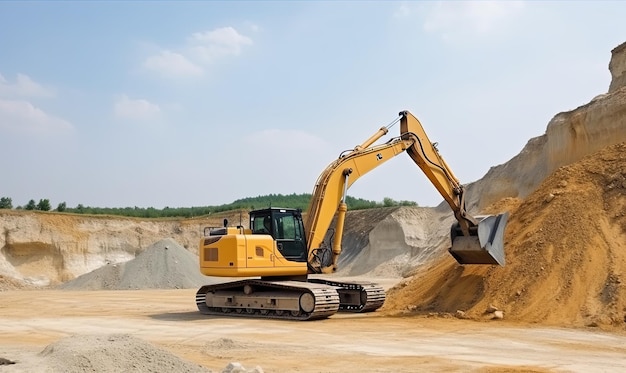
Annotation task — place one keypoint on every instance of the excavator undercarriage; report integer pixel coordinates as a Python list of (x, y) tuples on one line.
[(290, 300)]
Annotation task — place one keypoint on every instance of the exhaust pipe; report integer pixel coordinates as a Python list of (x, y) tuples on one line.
[(484, 245)]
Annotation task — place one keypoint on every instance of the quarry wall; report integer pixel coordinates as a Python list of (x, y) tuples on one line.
[(568, 138)]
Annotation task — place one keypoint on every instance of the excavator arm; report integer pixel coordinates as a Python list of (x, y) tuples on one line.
[(474, 240), (425, 154)]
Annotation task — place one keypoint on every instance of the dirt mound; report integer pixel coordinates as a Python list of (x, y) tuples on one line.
[(391, 242), (110, 353), (566, 255), (163, 265), (8, 283)]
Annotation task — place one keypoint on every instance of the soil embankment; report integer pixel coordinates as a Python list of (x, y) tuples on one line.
[(566, 255)]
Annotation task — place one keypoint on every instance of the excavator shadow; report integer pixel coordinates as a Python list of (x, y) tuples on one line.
[(195, 315), (183, 316)]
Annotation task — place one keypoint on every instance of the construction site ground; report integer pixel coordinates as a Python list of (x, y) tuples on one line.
[(343, 343)]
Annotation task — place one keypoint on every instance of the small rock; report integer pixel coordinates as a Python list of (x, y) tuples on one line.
[(491, 309), (498, 315), (460, 314), (234, 368), (549, 197), (518, 293), (562, 184), (4, 361)]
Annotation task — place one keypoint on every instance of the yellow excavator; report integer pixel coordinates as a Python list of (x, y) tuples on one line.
[(280, 249)]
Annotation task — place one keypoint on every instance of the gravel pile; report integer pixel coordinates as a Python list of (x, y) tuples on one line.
[(163, 265), (111, 353)]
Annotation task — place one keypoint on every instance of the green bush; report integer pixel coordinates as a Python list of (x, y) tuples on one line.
[(6, 203)]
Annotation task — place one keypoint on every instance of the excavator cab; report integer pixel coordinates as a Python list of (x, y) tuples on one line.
[(286, 228), (484, 244)]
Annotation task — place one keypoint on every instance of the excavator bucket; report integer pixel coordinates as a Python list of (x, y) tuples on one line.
[(484, 245)]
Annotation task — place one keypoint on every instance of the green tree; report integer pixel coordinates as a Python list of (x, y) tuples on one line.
[(44, 205), (388, 202), (6, 203), (31, 205), (62, 207)]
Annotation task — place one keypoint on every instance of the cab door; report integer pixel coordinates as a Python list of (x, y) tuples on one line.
[(289, 235)]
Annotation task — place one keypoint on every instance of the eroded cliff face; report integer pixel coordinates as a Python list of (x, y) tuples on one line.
[(569, 137), (45, 248), (617, 66), (393, 244)]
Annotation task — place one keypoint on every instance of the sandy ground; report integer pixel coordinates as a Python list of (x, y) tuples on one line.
[(30, 320)]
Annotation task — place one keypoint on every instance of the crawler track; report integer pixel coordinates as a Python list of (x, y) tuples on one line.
[(356, 296), (289, 300)]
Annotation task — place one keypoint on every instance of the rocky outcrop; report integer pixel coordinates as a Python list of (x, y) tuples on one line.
[(569, 137), (617, 66)]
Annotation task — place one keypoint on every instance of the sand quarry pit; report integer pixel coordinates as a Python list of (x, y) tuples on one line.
[(69, 303), (561, 295)]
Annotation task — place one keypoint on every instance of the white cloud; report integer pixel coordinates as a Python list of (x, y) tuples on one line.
[(22, 116), (24, 86), (225, 41), (402, 11), (454, 19), (253, 27), (141, 109), (201, 48), (172, 64)]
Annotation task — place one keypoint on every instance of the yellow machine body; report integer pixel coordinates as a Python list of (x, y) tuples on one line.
[(239, 253)]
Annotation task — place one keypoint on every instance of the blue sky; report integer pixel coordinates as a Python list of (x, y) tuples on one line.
[(180, 104)]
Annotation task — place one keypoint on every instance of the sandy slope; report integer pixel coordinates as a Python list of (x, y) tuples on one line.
[(566, 255)]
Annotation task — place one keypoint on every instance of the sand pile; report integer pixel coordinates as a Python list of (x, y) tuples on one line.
[(111, 353), (391, 242), (163, 265), (566, 255)]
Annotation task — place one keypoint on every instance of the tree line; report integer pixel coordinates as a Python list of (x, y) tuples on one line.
[(293, 200)]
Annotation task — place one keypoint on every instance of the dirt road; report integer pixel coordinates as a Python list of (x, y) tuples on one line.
[(30, 320)]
